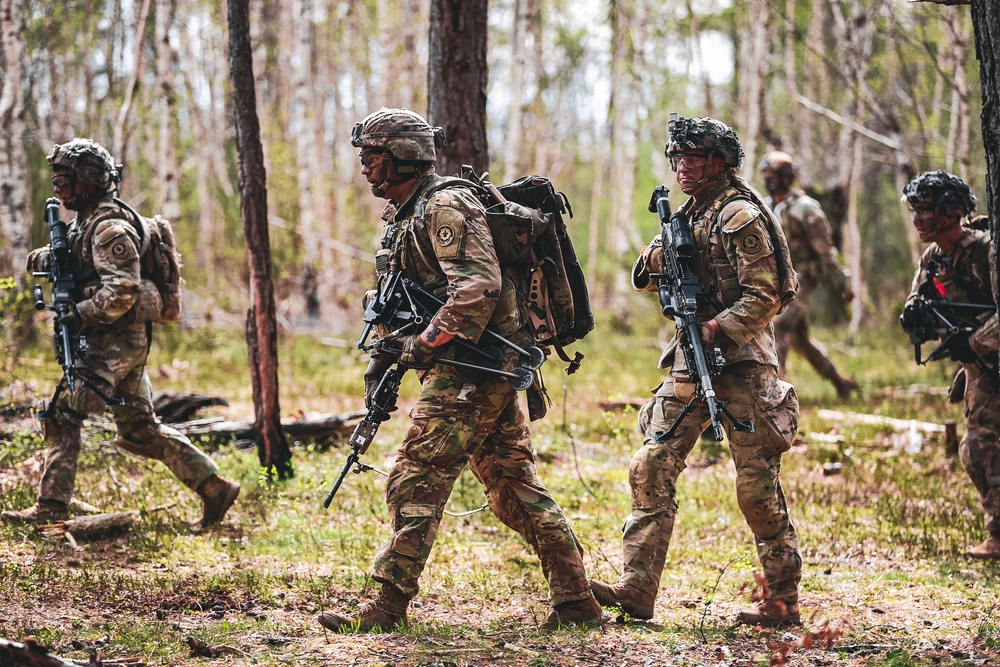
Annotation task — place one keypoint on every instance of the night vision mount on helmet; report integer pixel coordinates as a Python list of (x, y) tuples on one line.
[(704, 134), (943, 189)]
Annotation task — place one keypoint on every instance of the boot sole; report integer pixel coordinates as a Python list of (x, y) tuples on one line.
[(226, 505), (605, 599)]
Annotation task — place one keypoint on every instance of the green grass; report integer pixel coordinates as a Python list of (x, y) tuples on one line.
[(886, 532)]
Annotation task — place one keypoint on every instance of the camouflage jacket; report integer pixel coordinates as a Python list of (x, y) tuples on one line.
[(810, 239), (966, 278), (105, 252), (736, 265), (444, 243)]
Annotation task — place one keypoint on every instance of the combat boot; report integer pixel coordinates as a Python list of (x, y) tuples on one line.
[(46, 511), (770, 614), (988, 549), (384, 613), (585, 612), (631, 600), (217, 495)]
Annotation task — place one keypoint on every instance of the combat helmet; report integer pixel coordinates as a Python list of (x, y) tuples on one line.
[(400, 132), (781, 164), (707, 134), (943, 189), (90, 161)]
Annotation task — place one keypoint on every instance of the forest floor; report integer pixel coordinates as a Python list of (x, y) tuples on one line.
[(885, 581)]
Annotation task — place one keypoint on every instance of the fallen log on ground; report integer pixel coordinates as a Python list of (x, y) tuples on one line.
[(180, 407), (32, 654), (879, 420), (318, 428), (91, 526)]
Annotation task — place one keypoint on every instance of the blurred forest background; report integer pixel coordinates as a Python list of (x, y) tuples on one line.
[(864, 93)]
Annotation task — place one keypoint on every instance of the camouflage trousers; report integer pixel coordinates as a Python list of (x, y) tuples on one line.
[(979, 450), (488, 433), (751, 391), (791, 332), (115, 363)]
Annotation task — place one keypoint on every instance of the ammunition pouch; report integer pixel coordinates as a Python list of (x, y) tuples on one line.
[(508, 315), (779, 406), (149, 306)]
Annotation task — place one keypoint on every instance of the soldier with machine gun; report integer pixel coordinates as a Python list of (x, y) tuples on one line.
[(952, 301), (728, 241), (466, 414)]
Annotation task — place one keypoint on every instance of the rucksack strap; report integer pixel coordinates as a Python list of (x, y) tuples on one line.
[(108, 212)]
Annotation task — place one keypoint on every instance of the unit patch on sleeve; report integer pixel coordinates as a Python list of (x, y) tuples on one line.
[(751, 243), (445, 235)]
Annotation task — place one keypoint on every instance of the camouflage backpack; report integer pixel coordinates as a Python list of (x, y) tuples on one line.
[(159, 261), (536, 254)]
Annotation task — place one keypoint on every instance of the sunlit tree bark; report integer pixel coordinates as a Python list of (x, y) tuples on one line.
[(14, 216), (262, 333)]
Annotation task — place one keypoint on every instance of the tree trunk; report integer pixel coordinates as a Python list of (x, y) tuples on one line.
[(14, 216), (760, 27), (262, 333), (513, 145), (456, 82), (167, 167), (119, 144), (986, 24), (957, 147)]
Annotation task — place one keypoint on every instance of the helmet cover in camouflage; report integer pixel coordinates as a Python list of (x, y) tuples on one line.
[(943, 189), (704, 134), (401, 132), (90, 161)]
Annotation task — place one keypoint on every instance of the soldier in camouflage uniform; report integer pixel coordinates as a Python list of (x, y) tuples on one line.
[(960, 257), (814, 257), (736, 260), (439, 238), (111, 310)]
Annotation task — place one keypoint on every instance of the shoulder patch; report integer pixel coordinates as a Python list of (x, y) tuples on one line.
[(737, 214), (109, 230), (446, 226), (753, 242)]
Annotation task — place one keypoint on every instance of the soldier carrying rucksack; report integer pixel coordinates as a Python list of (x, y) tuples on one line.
[(462, 417), (126, 276)]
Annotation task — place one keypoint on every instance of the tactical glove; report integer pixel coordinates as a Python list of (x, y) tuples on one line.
[(377, 367), (416, 353), (960, 350), (71, 319), (38, 261)]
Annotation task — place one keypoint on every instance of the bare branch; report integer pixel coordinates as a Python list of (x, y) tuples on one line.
[(846, 122), (944, 2)]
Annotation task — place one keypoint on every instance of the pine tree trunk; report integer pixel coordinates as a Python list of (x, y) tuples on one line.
[(986, 24), (167, 100), (14, 216), (262, 333), (119, 144), (754, 113), (515, 115), (456, 82)]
